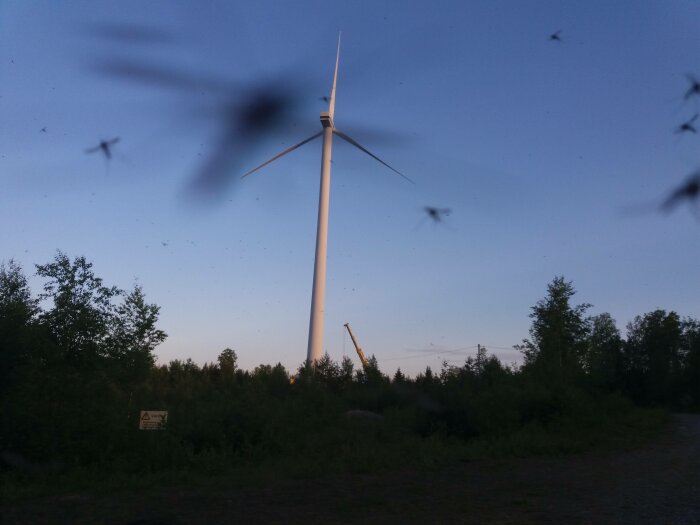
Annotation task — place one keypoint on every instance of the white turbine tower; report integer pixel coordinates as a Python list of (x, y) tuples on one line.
[(318, 296)]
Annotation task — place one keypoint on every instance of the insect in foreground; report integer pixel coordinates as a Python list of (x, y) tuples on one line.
[(246, 116), (555, 36), (694, 88), (437, 214), (104, 146), (688, 125), (689, 190)]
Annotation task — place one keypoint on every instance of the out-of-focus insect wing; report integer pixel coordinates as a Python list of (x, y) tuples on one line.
[(161, 76), (128, 33), (688, 190), (694, 86)]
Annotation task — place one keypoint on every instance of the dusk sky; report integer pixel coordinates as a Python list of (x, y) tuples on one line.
[(554, 157)]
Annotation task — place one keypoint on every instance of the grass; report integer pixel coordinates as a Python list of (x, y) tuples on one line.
[(349, 448)]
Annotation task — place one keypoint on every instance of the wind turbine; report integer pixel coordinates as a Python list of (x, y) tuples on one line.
[(318, 294)]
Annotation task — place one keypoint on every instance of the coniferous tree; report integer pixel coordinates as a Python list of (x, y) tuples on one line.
[(558, 333), (347, 368)]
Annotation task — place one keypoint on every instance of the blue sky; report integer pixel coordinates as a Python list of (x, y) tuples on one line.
[(551, 155)]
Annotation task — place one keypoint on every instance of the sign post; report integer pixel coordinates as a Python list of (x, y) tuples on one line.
[(153, 419)]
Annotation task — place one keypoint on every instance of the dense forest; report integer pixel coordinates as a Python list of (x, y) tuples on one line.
[(78, 366)]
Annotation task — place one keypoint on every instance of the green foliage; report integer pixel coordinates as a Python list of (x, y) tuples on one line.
[(133, 335), (559, 333), (653, 357), (16, 303), (18, 312), (656, 364), (71, 369), (603, 357), (79, 320), (228, 361), (83, 369), (327, 372), (347, 368), (690, 352)]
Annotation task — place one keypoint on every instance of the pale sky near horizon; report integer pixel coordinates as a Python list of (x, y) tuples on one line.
[(552, 155)]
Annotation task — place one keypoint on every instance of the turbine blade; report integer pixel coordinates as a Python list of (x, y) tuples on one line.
[(358, 146), (283, 153), (331, 105)]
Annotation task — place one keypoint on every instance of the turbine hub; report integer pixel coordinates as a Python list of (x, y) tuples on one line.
[(327, 120)]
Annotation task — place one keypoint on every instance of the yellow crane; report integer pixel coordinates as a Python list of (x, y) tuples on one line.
[(365, 363)]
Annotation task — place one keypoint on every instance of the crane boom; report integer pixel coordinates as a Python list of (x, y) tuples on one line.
[(360, 353)]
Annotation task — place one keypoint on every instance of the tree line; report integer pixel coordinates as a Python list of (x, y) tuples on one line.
[(657, 363), (78, 365)]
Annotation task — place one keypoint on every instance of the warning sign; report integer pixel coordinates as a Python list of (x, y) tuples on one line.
[(153, 419)]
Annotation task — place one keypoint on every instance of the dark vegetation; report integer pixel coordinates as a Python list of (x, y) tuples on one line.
[(78, 366)]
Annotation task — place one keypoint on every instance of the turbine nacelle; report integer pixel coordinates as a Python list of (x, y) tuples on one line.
[(327, 120)]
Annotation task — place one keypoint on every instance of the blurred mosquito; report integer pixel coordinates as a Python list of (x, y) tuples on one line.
[(555, 36), (694, 88), (689, 190), (437, 214), (127, 33), (247, 114), (687, 126), (104, 146)]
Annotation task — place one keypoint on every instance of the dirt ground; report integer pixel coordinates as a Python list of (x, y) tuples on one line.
[(657, 484)]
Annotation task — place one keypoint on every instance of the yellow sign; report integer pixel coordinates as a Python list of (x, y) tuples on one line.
[(153, 419)]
